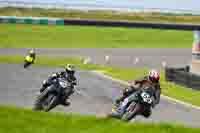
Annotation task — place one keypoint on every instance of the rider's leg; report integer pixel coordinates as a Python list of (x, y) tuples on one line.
[(125, 93), (67, 93)]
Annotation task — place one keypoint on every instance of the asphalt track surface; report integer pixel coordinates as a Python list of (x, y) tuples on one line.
[(122, 57), (19, 87)]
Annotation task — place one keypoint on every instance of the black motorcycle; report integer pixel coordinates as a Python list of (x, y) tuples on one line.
[(139, 103), (54, 95), (26, 64)]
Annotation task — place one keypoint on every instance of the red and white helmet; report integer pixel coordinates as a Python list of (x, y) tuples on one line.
[(154, 75)]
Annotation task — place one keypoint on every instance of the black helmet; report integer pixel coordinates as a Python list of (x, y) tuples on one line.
[(70, 69)]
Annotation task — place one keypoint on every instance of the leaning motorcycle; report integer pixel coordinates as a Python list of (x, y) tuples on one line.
[(28, 61), (139, 103), (53, 95)]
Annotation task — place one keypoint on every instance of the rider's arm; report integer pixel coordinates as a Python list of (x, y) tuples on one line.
[(61, 73), (141, 80), (128, 91), (133, 86), (54, 76), (74, 82)]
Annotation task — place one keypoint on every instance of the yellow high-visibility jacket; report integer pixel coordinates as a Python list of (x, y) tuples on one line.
[(29, 59)]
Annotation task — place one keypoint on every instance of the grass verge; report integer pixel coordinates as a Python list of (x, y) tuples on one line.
[(27, 121), (39, 36), (168, 89), (99, 15)]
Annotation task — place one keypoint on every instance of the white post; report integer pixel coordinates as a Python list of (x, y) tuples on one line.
[(195, 66), (87, 60), (107, 59)]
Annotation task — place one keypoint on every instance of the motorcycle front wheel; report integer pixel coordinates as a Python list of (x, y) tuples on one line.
[(39, 101), (45, 101), (50, 103), (131, 112)]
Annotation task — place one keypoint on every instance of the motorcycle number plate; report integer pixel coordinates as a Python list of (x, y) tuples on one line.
[(63, 84), (146, 97)]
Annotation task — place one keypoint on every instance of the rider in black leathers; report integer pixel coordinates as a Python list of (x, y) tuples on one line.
[(68, 74)]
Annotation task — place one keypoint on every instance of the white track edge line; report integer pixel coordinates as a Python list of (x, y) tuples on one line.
[(163, 96)]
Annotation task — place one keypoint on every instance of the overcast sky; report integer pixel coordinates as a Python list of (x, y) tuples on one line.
[(163, 4)]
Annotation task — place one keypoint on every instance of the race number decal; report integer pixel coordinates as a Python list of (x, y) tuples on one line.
[(63, 84), (146, 97)]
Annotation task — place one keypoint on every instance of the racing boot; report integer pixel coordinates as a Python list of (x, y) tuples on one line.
[(116, 104), (66, 102), (118, 101)]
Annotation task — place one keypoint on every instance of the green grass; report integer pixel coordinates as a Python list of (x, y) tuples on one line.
[(14, 120), (168, 89), (23, 36), (106, 15)]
